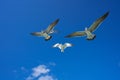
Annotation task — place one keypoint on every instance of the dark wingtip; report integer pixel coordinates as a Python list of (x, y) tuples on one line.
[(106, 14), (67, 36), (57, 20), (32, 33)]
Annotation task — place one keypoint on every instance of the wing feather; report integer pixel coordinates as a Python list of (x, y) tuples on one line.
[(50, 27), (97, 22), (68, 44), (56, 45), (36, 33), (82, 33)]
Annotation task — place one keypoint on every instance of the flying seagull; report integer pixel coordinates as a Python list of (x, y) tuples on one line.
[(62, 46), (45, 33), (89, 31)]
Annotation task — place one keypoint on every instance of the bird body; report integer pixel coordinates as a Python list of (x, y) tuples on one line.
[(89, 34)]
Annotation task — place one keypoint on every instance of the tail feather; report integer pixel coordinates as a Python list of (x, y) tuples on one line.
[(48, 38)]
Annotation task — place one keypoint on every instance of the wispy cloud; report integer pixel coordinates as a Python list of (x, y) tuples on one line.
[(41, 69), (47, 77), (40, 73), (52, 64)]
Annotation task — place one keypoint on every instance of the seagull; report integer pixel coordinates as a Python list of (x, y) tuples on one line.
[(89, 31), (62, 46), (45, 33)]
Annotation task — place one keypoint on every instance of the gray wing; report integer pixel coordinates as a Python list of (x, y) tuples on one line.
[(82, 33), (36, 33), (97, 22), (50, 27)]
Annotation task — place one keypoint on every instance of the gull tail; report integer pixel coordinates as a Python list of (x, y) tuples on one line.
[(48, 38)]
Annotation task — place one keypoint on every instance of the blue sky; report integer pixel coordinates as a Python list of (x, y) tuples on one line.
[(24, 56)]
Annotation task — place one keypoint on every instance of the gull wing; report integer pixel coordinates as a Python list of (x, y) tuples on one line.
[(36, 33), (82, 33), (56, 45), (97, 22), (68, 44), (50, 27)]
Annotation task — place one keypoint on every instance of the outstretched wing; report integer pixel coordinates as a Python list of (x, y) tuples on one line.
[(68, 44), (56, 45), (97, 22), (50, 27), (82, 33), (36, 33)]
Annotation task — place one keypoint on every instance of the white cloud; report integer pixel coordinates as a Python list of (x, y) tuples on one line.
[(47, 77), (30, 78), (41, 69), (38, 72)]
